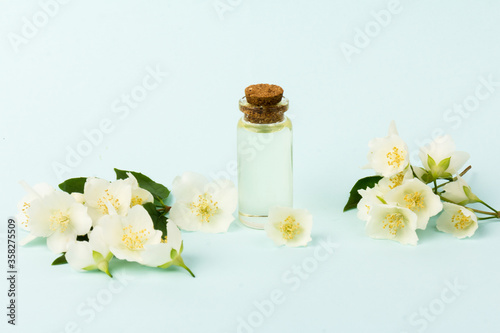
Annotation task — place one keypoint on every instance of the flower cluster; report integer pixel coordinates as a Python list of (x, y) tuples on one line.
[(93, 220), (402, 197)]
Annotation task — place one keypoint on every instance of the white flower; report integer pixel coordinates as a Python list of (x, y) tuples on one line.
[(445, 161), (392, 222), (32, 193), (104, 197), (202, 205), (417, 197), (91, 255), (140, 196), (288, 226), (38, 191), (457, 220), (60, 218), (369, 197), (388, 183), (459, 192), (159, 254), (128, 235), (388, 156)]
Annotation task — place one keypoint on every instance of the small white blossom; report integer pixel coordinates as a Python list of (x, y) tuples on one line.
[(417, 197), (60, 218), (440, 150), (457, 220), (128, 235), (32, 193), (201, 205), (388, 156), (392, 222), (288, 226)]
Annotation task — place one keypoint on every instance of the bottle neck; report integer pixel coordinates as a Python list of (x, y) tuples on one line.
[(263, 114)]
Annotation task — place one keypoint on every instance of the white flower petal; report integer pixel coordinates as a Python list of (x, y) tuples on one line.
[(79, 255), (27, 239), (217, 224), (80, 220), (183, 217), (226, 195), (112, 229), (188, 186), (138, 217), (174, 235), (457, 161), (156, 255), (59, 242), (97, 241)]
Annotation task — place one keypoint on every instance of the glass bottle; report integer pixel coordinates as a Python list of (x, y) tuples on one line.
[(265, 177)]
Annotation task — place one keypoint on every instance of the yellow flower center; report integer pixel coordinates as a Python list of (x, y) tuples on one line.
[(164, 239), (59, 221), (24, 211), (396, 180), (289, 228), (461, 221), (415, 201), (395, 157), (107, 198), (394, 222), (205, 208), (134, 240), (135, 201)]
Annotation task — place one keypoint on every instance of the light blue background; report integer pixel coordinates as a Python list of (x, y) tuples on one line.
[(432, 55)]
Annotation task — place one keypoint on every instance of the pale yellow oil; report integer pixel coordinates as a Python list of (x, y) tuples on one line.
[(265, 169)]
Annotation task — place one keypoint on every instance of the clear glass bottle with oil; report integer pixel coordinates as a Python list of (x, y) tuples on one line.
[(265, 167)]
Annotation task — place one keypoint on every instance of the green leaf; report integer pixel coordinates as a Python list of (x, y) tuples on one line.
[(73, 185), (60, 261), (159, 220), (431, 162), (427, 178), (362, 184), (159, 191), (444, 164), (97, 256)]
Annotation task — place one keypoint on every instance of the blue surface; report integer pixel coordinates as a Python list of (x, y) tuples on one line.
[(70, 77)]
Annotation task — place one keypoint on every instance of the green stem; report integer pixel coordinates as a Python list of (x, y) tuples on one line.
[(482, 212), (486, 218), (493, 209), (435, 186), (186, 268)]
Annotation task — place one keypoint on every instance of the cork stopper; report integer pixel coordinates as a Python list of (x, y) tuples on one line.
[(264, 94), (264, 104)]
